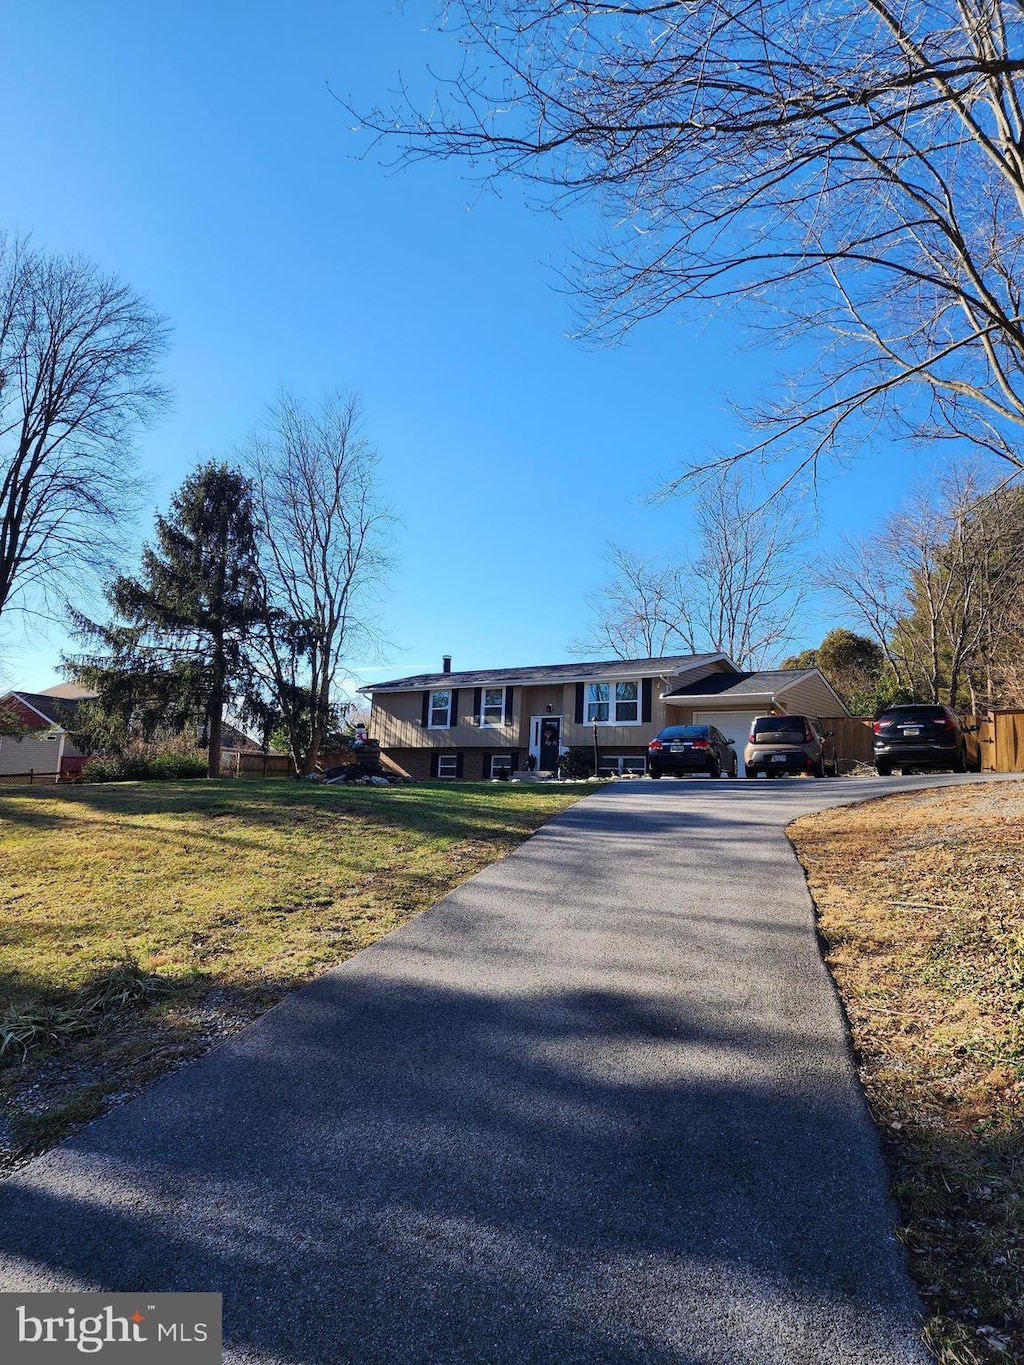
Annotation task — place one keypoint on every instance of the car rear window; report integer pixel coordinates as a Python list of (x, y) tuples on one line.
[(685, 732), (767, 727)]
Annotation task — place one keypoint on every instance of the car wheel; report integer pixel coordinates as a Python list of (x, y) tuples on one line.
[(750, 772), (883, 769), (735, 769), (653, 774), (819, 769), (960, 762), (715, 769)]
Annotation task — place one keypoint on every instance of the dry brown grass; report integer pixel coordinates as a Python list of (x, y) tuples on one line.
[(920, 899)]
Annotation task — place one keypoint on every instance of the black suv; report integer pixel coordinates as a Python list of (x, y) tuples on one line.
[(919, 737)]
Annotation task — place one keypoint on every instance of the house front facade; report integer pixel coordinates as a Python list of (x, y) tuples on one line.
[(479, 724)]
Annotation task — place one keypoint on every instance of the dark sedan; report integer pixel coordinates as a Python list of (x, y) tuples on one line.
[(919, 737), (680, 749)]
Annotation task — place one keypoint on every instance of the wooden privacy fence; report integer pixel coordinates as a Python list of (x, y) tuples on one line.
[(1000, 741), (851, 740), (242, 764)]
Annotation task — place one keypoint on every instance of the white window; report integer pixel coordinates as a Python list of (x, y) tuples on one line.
[(613, 703), (501, 763), (492, 706), (627, 710), (440, 710), (447, 765)]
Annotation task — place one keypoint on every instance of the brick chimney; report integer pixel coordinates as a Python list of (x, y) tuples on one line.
[(446, 663)]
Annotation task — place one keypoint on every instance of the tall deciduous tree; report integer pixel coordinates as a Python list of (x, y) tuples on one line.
[(738, 590), (857, 164), (77, 357), (325, 539), (178, 645), (939, 586)]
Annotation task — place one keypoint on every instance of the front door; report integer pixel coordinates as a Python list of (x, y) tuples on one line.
[(550, 740)]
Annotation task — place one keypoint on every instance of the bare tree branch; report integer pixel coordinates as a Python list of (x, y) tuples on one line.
[(77, 358), (852, 170), (326, 537), (739, 591)]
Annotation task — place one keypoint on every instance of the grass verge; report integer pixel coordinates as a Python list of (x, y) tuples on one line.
[(920, 899), (141, 922)]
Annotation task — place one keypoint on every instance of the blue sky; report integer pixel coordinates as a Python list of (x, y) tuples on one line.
[(196, 151)]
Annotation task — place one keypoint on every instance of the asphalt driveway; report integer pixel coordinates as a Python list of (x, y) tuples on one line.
[(597, 1105)]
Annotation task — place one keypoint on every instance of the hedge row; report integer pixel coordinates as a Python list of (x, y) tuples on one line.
[(164, 768)]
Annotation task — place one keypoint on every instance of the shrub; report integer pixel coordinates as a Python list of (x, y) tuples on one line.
[(577, 762), (175, 767), (168, 767)]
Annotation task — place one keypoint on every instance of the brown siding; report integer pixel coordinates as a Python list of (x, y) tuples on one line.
[(395, 722), (808, 698)]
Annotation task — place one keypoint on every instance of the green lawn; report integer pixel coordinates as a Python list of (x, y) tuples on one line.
[(215, 899)]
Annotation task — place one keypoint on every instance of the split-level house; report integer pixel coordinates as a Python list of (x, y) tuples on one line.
[(481, 723)]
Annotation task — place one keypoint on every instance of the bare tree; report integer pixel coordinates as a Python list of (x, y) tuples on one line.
[(938, 586), (325, 537), (77, 357), (859, 165), (739, 591), (638, 612)]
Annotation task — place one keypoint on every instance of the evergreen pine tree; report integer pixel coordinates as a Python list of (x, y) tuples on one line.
[(177, 648)]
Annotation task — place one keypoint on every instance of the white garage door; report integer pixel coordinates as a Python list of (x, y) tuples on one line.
[(735, 725)]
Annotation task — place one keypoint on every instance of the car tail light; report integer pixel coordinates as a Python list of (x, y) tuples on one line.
[(877, 727), (701, 744), (752, 738), (808, 733), (654, 745), (944, 722)]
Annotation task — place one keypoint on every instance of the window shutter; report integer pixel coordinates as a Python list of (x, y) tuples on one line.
[(508, 704), (433, 765), (579, 703), (458, 765), (647, 692), (515, 760), (453, 714), (425, 713), (478, 699), (485, 770)]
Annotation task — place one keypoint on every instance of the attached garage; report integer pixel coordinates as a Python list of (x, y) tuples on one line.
[(735, 725)]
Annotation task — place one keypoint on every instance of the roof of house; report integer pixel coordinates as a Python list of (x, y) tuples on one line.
[(69, 691), (51, 710), (765, 686), (666, 666), (753, 685)]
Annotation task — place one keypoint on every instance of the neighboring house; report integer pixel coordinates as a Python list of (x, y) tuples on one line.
[(476, 724), (47, 750)]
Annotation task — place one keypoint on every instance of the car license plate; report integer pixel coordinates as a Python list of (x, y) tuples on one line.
[(778, 758), (912, 732), (677, 748)]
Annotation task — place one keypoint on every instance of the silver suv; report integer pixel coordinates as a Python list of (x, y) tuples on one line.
[(785, 744)]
